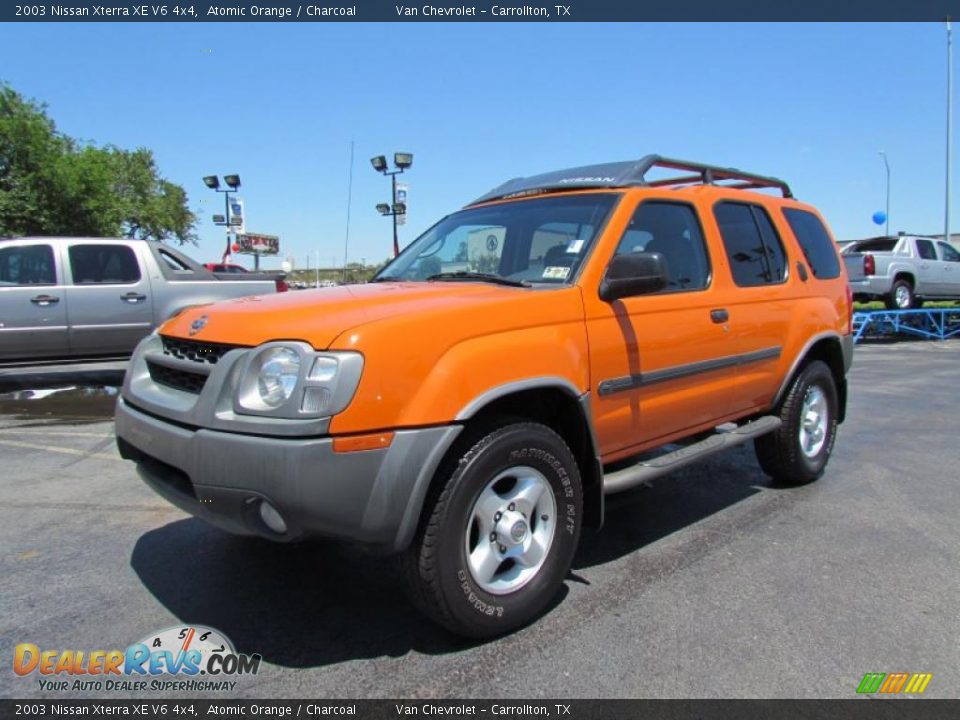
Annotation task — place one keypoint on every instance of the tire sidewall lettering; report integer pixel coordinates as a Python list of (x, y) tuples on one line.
[(495, 608)]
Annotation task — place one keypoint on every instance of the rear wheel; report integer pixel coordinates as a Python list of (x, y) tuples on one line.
[(901, 295), (499, 535), (798, 452)]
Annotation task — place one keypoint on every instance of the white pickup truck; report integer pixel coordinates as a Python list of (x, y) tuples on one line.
[(73, 298), (903, 271)]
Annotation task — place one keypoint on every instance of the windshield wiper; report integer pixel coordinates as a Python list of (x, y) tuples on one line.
[(384, 278), (485, 277)]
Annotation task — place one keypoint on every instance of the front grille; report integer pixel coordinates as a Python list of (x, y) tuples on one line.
[(185, 380), (202, 352)]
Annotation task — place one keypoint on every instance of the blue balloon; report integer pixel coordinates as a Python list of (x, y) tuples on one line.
[(879, 217)]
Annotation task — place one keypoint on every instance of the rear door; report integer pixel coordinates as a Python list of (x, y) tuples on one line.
[(33, 308), (930, 273), (761, 311), (109, 303), (951, 269)]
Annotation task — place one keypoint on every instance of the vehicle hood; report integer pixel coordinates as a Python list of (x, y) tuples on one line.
[(319, 316)]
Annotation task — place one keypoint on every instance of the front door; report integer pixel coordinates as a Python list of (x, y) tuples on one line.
[(661, 363), (33, 308)]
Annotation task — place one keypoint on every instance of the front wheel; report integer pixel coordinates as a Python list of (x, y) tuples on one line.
[(798, 452), (499, 535)]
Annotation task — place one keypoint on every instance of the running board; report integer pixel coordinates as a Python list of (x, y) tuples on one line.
[(655, 467)]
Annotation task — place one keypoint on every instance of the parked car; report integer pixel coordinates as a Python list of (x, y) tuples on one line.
[(903, 271), (98, 297), (469, 408), (225, 268)]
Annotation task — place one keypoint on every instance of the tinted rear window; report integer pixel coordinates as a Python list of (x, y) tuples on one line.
[(753, 247), (815, 242), (103, 264), (926, 249), (881, 245)]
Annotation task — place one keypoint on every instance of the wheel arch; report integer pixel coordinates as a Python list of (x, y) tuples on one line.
[(558, 404), (905, 275), (828, 348)]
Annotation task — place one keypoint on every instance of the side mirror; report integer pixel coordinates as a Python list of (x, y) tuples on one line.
[(633, 274)]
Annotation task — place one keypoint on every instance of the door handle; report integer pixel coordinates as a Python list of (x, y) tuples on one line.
[(44, 300), (719, 316), (132, 297)]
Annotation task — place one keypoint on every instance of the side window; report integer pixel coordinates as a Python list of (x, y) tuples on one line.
[(177, 265), (103, 264), (949, 252), (815, 242), (926, 249), (27, 265), (753, 247), (673, 230)]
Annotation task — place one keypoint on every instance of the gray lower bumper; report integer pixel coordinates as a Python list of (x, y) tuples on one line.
[(846, 345), (373, 496)]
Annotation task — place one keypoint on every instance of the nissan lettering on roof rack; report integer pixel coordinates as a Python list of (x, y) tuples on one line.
[(564, 337), (634, 174)]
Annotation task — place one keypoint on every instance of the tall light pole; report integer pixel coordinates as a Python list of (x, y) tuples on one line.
[(346, 238), (233, 184), (887, 165), (946, 213), (401, 161)]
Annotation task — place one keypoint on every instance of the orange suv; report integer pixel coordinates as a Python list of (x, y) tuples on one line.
[(466, 407)]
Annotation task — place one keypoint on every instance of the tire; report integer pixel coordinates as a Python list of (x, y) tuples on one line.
[(485, 493), (794, 455), (901, 295)]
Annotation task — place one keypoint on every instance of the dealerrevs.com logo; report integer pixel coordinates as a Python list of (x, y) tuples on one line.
[(191, 659)]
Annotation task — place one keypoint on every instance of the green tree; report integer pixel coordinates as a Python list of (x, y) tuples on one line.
[(51, 184)]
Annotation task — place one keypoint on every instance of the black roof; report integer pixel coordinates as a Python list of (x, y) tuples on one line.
[(632, 173)]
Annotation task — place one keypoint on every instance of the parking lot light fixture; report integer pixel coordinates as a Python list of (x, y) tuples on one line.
[(383, 208), (233, 182), (402, 161)]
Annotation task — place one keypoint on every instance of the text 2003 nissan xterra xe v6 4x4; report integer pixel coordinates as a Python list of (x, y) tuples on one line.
[(465, 407)]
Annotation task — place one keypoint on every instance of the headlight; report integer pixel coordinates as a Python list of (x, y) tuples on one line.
[(278, 376), (292, 380)]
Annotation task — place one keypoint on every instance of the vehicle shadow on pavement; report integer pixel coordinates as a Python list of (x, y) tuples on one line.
[(647, 514), (318, 603), (303, 605)]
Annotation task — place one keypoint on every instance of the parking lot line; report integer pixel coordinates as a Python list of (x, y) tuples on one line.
[(65, 451), (48, 433)]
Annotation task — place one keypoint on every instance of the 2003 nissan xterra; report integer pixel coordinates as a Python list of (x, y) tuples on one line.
[(466, 407)]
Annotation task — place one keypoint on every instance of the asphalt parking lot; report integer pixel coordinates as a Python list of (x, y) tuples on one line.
[(711, 583)]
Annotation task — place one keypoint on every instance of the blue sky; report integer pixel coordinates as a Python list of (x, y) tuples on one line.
[(480, 103)]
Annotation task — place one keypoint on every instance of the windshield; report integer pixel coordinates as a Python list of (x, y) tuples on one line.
[(543, 240)]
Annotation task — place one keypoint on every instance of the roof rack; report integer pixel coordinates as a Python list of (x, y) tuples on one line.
[(633, 174)]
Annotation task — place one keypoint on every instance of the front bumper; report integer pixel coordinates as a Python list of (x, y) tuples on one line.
[(372, 496)]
